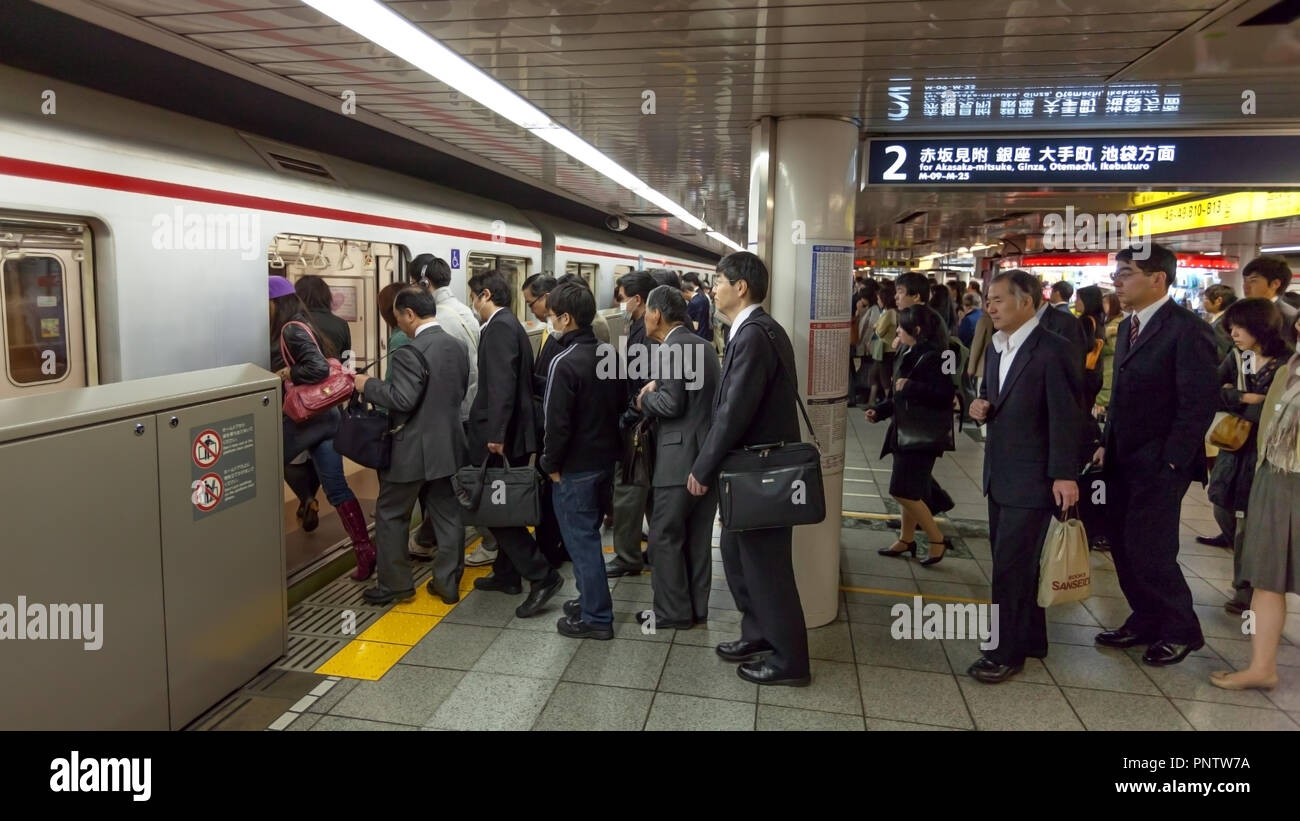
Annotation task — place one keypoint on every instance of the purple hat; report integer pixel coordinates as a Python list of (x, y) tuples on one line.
[(280, 287)]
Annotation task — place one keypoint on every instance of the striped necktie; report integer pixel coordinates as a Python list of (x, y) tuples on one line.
[(1134, 326)]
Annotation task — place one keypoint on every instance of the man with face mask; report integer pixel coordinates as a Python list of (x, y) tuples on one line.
[(536, 290)]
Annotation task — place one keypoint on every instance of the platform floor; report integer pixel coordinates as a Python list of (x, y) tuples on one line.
[(474, 666)]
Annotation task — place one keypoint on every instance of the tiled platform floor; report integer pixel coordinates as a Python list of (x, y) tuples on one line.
[(482, 668)]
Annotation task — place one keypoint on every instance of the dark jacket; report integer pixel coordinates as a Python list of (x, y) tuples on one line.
[(1035, 421), (697, 309), (635, 336), (1163, 395), (1288, 320), (683, 407), (1234, 470), (430, 444), (503, 407), (333, 328), (1065, 324), (581, 410), (551, 347), (309, 363), (927, 384), (1222, 340), (756, 401)]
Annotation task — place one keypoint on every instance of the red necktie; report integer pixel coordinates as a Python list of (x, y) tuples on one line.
[(1133, 331)]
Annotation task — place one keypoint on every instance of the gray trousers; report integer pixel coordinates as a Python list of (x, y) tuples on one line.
[(681, 548), (629, 510), (392, 530)]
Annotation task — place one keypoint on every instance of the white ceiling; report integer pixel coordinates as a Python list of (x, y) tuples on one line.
[(717, 65)]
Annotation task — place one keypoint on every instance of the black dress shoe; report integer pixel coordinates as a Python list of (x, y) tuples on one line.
[(1164, 653), (1236, 607), (435, 590), (576, 628), (893, 524), (760, 672), (539, 595), (989, 671), (1121, 637), (660, 623), (743, 651), (573, 608), (498, 585), (617, 568), (382, 595), (1216, 541)]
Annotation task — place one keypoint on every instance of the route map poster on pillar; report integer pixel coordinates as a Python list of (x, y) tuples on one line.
[(223, 467), (828, 265)]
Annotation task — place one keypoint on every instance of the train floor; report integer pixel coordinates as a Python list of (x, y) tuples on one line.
[(475, 666)]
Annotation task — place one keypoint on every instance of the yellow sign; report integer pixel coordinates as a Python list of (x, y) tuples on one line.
[(1143, 198), (1211, 212)]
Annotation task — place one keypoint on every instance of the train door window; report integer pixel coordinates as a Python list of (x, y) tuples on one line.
[(585, 270), (478, 262), (36, 319)]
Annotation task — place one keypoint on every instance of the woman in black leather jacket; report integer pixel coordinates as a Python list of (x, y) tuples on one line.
[(922, 382), (308, 350)]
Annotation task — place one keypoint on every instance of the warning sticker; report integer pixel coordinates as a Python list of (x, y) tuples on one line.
[(223, 465)]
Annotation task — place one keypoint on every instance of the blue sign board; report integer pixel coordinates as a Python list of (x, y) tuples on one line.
[(455, 259)]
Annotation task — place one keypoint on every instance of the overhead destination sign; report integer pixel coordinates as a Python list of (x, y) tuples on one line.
[(1125, 159)]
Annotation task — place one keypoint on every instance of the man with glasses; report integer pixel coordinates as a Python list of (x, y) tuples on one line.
[(1165, 391)]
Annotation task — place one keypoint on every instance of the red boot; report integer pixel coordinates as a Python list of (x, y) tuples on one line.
[(354, 522)]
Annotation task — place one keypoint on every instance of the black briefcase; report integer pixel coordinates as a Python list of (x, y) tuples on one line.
[(639, 453), (767, 486), (364, 435), (499, 497)]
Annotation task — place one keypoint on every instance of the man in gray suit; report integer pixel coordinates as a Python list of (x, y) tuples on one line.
[(423, 395), (681, 525)]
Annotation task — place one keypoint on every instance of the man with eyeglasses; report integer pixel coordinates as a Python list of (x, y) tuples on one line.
[(1164, 394)]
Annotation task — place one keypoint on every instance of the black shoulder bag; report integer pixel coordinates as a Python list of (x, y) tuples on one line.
[(365, 435), (919, 427), (772, 485)]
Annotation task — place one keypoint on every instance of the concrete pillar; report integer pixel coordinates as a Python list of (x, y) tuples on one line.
[(1240, 242), (803, 181)]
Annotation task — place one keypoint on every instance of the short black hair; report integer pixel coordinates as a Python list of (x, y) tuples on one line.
[(637, 283), (1261, 319), (1218, 292), (1063, 289), (539, 285), (913, 284), (416, 299), (493, 282), (1159, 259), (574, 299), (440, 273), (315, 293), (668, 301), (1272, 269), (923, 323), (692, 278), (420, 267), (1021, 282), (666, 276), (572, 278), (745, 266)]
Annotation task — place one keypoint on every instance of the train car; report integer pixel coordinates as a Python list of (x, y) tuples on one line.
[(136, 242)]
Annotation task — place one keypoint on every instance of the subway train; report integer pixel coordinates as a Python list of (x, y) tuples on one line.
[(136, 242)]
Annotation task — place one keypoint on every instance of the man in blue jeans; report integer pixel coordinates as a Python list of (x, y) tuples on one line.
[(581, 443)]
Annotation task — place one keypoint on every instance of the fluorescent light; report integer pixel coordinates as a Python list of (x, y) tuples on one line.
[(1279, 249), (724, 240), (394, 33)]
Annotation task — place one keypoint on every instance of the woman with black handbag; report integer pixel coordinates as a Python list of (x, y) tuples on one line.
[(921, 430)]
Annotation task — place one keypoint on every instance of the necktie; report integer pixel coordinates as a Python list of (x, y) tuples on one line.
[(545, 333), (1133, 330)]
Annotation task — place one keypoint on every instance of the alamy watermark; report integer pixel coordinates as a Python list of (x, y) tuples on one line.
[(210, 231), (77, 774), (952, 621), (1073, 231), (645, 362), (59, 622)]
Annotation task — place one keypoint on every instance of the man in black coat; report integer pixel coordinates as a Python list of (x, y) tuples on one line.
[(1030, 401), (501, 422), (1061, 322), (536, 290), (756, 404), (423, 394), (1165, 391)]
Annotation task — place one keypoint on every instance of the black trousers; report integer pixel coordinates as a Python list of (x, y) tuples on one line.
[(760, 574), (518, 555), (681, 548), (1017, 535), (302, 480), (547, 533), (1143, 518)]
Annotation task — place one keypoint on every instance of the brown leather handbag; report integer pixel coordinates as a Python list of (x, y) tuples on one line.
[(1229, 431)]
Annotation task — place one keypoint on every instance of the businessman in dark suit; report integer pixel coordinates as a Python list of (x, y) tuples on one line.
[(1030, 401), (501, 422), (424, 395), (1065, 324), (756, 404), (1165, 391), (1216, 301), (699, 321), (536, 291), (681, 525)]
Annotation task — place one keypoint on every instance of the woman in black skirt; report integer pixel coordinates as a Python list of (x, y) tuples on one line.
[(922, 382)]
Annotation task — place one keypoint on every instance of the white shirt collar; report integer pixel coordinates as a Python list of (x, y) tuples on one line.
[(430, 324), (740, 319), (1003, 343), (494, 315), (1144, 315)]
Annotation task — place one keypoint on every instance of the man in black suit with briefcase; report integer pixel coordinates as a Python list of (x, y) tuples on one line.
[(756, 404), (1165, 391), (1030, 401), (501, 422)]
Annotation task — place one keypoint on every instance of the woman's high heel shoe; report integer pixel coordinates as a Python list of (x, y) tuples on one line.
[(910, 548), (933, 559)]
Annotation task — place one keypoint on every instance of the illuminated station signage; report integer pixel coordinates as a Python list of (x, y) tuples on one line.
[(1132, 159)]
